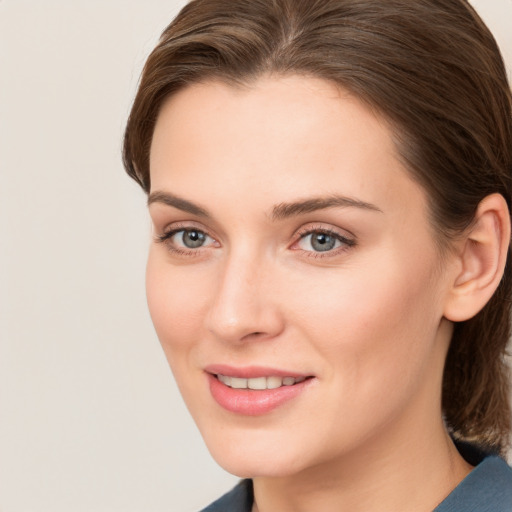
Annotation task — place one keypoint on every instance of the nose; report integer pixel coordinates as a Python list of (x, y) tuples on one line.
[(244, 306)]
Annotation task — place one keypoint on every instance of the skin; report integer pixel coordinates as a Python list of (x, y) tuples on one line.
[(366, 319)]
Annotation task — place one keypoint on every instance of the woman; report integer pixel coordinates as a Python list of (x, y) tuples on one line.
[(329, 184)]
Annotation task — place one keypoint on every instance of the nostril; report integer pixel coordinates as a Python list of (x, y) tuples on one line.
[(256, 334)]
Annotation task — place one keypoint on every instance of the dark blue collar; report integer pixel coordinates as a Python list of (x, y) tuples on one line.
[(488, 488)]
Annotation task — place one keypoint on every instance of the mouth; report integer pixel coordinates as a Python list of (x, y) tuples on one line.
[(259, 383), (255, 391)]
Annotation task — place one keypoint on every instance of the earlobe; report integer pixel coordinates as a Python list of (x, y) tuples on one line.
[(481, 260)]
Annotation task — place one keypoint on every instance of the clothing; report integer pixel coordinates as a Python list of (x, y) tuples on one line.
[(239, 499), (488, 488)]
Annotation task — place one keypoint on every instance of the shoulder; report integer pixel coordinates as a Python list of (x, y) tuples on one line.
[(488, 488), (239, 499)]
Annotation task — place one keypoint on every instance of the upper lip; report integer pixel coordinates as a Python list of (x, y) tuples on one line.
[(251, 372)]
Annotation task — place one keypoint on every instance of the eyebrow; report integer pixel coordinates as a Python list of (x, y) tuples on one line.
[(285, 210), (177, 202), (279, 212)]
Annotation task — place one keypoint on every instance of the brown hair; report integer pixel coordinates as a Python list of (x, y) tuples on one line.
[(434, 71)]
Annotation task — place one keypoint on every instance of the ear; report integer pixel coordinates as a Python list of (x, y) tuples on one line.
[(481, 260)]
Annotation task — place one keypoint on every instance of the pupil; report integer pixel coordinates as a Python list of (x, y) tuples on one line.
[(193, 239), (323, 242)]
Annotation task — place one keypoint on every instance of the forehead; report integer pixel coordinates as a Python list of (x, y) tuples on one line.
[(283, 138)]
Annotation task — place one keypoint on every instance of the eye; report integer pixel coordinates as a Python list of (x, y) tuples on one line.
[(190, 238), (186, 239), (323, 241)]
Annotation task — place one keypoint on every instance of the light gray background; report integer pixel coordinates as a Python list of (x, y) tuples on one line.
[(90, 419)]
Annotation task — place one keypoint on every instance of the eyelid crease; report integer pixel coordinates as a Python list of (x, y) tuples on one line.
[(175, 226), (342, 234)]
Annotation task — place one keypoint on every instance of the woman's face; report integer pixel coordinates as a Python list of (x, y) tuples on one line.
[(293, 254)]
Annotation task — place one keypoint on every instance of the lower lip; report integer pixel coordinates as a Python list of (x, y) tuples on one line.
[(253, 402)]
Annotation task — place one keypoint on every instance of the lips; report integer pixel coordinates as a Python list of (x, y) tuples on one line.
[(254, 391)]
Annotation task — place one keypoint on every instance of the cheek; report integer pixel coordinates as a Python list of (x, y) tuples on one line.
[(176, 298), (374, 334), (373, 323)]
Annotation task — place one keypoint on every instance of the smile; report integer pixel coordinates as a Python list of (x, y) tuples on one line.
[(254, 395), (259, 383)]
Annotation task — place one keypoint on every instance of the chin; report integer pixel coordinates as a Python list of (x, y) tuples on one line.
[(250, 455), (247, 466)]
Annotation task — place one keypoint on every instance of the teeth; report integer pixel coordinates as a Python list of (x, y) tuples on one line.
[(259, 383), (238, 383), (225, 380), (274, 382)]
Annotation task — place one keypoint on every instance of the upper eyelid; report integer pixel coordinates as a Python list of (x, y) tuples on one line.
[(166, 239), (209, 226), (324, 228), (347, 241), (307, 229), (169, 233), (183, 226)]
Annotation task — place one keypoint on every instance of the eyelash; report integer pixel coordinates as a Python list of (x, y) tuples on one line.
[(346, 242), (165, 238)]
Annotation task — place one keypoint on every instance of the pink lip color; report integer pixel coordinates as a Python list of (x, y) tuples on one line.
[(253, 402), (250, 372)]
